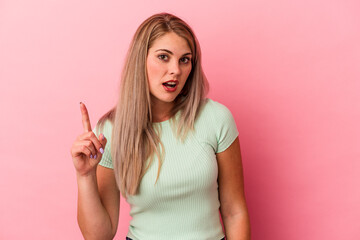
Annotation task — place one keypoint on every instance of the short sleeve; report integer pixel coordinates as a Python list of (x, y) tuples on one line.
[(106, 160), (226, 130)]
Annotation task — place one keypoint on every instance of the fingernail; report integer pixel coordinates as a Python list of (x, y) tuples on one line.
[(101, 150), (91, 156), (102, 136), (95, 156)]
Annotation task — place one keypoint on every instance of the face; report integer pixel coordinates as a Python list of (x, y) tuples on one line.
[(168, 65)]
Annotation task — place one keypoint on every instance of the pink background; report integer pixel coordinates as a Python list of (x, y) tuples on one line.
[(288, 70)]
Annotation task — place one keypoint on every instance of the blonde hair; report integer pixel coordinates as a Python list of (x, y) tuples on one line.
[(134, 139)]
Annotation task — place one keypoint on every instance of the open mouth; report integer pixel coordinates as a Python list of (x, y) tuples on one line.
[(170, 84)]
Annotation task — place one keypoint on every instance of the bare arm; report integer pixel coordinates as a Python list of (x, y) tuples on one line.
[(98, 204), (98, 195), (231, 193)]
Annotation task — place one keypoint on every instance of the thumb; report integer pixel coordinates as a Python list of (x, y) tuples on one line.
[(102, 139)]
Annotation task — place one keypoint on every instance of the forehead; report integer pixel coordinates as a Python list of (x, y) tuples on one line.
[(171, 41)]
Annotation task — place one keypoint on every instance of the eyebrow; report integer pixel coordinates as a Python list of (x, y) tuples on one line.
[(170, 52)]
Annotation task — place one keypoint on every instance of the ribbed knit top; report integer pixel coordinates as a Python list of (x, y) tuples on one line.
[(184, 203)]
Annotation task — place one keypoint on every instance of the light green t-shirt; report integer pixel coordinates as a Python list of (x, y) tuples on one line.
[(184, 202)]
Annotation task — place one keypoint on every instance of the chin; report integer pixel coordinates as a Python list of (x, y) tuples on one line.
[(168, 100), (165, 99)]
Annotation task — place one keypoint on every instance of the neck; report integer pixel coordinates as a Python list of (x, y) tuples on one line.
[(161, 111)]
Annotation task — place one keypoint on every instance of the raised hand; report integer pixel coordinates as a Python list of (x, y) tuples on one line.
[(87, 149)]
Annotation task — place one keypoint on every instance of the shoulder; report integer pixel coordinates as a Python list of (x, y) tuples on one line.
[(215, 110), (105, 127), (216, 125), (213, 115)]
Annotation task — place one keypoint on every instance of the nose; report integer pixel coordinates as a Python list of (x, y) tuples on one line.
[(174, 68)]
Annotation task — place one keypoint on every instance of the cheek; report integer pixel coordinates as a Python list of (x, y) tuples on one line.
[(153, 69)]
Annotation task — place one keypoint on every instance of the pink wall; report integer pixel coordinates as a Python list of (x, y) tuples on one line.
[(288, 70)]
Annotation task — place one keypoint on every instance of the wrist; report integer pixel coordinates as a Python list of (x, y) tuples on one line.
[(89, 176)]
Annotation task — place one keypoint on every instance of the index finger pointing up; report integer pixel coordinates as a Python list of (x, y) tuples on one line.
[(85, 118)]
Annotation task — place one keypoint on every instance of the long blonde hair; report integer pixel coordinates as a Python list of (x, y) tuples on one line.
[(134, 139)]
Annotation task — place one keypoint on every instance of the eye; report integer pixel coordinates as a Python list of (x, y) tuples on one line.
[(163, 57), (185, 60)]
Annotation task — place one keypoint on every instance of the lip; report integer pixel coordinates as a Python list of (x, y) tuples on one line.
[(175, 81), (171, 89)]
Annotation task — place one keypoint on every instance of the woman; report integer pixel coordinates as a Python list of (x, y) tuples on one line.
[(173, 154)]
